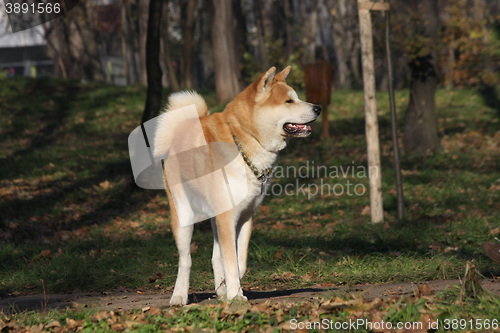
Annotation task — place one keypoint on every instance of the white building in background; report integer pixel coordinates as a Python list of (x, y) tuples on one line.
[(23, 52)]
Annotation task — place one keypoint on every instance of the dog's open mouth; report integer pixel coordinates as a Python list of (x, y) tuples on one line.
[(293, 129)]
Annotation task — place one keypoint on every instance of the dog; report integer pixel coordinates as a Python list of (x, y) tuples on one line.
[(258, 122)]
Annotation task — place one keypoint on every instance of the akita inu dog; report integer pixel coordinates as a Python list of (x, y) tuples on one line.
[(259, 122)]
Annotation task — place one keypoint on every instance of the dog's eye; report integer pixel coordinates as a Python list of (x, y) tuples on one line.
[(290, 101)]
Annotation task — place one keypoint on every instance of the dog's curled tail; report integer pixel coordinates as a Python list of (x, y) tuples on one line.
[(185, 98), (166, 126)]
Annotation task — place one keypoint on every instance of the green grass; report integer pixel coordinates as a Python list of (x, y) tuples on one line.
[(71, 218)]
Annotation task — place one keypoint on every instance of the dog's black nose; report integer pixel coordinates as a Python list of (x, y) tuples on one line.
[(317, 109)]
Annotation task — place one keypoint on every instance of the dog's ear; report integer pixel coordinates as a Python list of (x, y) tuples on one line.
[(281, 76), (266, 80)]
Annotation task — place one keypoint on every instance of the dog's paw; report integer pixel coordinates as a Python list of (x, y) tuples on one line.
[(237, 298), (178, 301), (240, 298)]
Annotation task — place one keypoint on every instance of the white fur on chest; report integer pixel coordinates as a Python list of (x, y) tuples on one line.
[(256, 192)]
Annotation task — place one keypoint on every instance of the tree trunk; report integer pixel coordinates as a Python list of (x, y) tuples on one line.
[(73, 47), (309, 29), (261, 51), (227, 83), (205, 54), (337, 11), (91, 57), (187, 22), (420, 120), (128, 35), (143, 31), (154, 74), (289, 27), (54, 36), (240, 30), (166, 56), (123, 18)]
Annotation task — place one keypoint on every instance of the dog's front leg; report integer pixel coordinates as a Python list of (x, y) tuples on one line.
[(226, 230)]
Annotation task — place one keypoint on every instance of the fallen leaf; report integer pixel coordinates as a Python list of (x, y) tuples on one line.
[(154, 311), (279, 226), (53, 324), (288, 276), (156, 277), (236, 308), (450, 248), (428, 321), (70, 324), (278, 254), (105, 185), (424, 290), (118, 327), (194, 247), (46, 254), (265, 210), (101, 315), (75, 305), (130, 323), (365, 211), (36, 328)]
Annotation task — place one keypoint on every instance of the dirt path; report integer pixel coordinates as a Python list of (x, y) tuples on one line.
[(133, 300)]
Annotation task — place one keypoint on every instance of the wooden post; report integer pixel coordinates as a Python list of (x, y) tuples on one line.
[(371, 122)]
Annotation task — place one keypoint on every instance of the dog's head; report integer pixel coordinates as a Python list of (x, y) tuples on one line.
[(278, 112)]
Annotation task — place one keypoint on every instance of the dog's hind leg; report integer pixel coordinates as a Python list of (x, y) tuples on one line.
[(183, 240), (226, 231), (220, 284), (183, 235), (244, 232)]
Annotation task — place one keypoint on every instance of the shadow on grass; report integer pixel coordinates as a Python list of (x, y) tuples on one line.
[(52, 119), (41, 134), (490, 97), (255, 295)]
